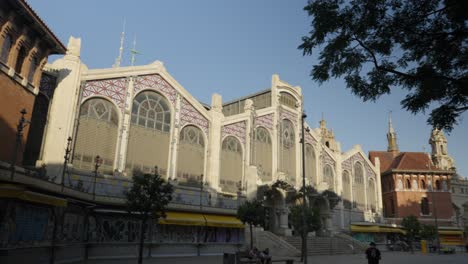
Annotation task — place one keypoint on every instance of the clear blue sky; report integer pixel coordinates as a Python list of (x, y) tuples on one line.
[(233, 48)]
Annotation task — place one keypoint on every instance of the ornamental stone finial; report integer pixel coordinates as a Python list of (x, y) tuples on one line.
[(74, 46)]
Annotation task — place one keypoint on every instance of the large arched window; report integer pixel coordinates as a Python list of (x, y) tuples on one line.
[(346, 189), (359, 190), (310, 164), (191, 156), (97, 135), (263, 153), (148, 142), (5, 52), (231, 165), (328, 176), (288, 100), (288, 151), (371, 197)]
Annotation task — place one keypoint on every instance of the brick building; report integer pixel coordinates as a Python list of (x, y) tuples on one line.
[(25, 44), (415, 184)]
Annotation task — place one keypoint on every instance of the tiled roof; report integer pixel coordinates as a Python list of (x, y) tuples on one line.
[(59, 48), (402, 160)]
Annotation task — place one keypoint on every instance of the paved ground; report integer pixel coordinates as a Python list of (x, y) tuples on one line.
[(387, 258)]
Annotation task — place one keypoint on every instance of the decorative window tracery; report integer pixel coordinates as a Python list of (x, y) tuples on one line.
[(288, 100), (148, 142), (311, 161), (371, 201), (328, 176), (191, 156), (288, 151), (263, 153), (151, 110), (231, 164), (97, 135), (359, 188), (346, 189)]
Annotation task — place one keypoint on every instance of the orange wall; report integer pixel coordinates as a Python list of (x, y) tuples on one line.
[(13, 98)]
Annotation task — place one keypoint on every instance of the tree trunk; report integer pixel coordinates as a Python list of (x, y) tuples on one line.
[(142, 241), (303, 247), (251, 237)]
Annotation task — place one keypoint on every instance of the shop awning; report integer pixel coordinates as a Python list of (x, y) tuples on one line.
[(451, 232), (223, 221), (376, 229), (11, 191), (194, 219), (182, 218), (365, 229)]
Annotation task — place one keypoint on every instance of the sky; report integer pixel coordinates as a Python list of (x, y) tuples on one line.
[(233, 48)]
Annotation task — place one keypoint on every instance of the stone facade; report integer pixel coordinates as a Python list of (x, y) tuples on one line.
[(413, 185), (459, 190), (25, 44), (140, 118)]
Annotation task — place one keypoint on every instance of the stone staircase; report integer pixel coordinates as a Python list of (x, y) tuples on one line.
[(337, 244), (277, 245)]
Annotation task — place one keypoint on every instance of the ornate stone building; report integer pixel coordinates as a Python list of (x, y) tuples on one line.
[(412, 184), (216, 155)]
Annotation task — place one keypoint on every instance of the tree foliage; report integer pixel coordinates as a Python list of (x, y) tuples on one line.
[(312, 218), (377, 45), (252, 213), (412, 226), (428, 232), (148, 197)]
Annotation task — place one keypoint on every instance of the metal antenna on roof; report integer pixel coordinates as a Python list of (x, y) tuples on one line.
[(134, 51), (118, 60)]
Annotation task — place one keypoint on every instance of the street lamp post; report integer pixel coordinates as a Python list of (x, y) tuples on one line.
[(66, 159), (19, 134), (434, 209), (304, 201), (97, 163), (201, 191)]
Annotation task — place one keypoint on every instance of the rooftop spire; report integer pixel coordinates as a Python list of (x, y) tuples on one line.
[(390, 124), (118, 60), (391, 136)]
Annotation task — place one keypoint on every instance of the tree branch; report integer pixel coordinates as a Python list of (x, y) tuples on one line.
[(376, 63)]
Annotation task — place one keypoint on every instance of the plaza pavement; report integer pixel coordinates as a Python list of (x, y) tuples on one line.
[(387, 258)]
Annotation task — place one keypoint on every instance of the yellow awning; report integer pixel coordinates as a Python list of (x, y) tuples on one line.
[(375, 229), (451, 232), (180, 218), (29, 196), (223, 221), (365, 229)]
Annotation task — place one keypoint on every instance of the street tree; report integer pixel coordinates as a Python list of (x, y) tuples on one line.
[(418, 45), (412, 227), (312, 219), (428, 232), (252, 213), (147, 199)]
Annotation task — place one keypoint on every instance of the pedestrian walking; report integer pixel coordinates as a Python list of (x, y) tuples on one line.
[(373, 254)]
